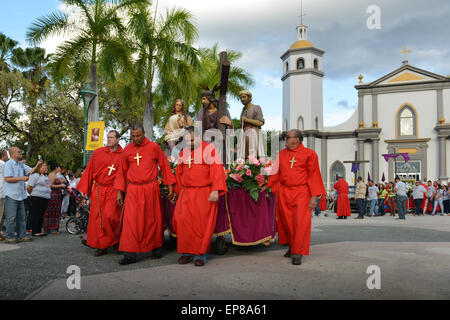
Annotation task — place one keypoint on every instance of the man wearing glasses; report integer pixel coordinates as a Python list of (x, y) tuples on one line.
[(297, 180)]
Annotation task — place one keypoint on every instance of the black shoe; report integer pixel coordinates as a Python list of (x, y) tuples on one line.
[(126, 261), (297, 260), (84, 242), (221, 248), (100, 252), (157, 253)]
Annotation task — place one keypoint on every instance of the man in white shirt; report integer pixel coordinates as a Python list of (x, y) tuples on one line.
[(3, 159), (417, 194), (400, 197), (373, 197), (430, 196)]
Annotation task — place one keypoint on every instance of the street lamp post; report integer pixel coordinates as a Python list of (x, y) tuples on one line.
[(86, 94)]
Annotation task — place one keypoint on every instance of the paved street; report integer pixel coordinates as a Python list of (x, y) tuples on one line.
[(413, 257)]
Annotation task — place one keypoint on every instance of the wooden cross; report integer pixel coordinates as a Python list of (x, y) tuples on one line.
[(190, 161), (224, 73), (356, 161), (405, 51), (111, 168), (292, 162), (137, 158)]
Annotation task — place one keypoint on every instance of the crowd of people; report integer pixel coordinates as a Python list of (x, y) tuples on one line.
[(33, 200), (422, 197), (123, 186)]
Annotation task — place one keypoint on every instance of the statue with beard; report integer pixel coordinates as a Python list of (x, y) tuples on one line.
[(209, 117), (250, 142)]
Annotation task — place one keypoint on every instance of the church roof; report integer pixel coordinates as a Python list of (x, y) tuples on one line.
[(405, 75), (302, 44)]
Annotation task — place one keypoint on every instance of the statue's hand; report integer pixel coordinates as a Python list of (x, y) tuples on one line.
[(226, 120)]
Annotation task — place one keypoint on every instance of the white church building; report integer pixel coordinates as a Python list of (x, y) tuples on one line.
[(405, 111)]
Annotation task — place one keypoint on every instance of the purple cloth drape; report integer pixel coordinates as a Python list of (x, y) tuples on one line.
[(251, 222)]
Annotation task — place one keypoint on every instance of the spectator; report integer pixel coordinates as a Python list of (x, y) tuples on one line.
[(3, 159), (360, 197), (39, 188), (446, 199), (16, 174), (391, 199), (72, 203), (53, 212), (400, 197), (373, 197), (438, 199), (417, 194), (382, 194), (430, 195)]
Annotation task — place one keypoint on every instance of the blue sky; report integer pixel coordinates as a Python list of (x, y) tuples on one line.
[(264, 29)]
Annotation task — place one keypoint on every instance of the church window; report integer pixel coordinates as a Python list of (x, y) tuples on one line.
[(317, 123), (300, 63), (337, 168), (287, 67), (300, 123), (316, 64), (407, 122)]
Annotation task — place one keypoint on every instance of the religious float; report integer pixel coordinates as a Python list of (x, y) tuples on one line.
[(245, 212)]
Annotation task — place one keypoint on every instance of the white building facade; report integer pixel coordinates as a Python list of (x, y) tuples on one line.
[(405, 111)]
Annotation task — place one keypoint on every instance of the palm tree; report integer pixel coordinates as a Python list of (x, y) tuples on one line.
[(33, 64), (7, 46), (165, 50), (97, 38)]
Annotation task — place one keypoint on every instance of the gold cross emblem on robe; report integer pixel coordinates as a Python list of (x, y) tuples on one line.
[(137, 158), (292, 162), (190, 161), (111, 169)]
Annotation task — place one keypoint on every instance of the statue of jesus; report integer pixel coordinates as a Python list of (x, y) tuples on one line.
[(250, 139)]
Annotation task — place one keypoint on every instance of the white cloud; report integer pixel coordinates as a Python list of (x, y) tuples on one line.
[(274, 82)]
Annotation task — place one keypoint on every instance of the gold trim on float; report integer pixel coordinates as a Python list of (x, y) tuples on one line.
[(266, 239)]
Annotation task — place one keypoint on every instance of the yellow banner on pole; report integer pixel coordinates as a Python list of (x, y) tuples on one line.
[(95, 135)]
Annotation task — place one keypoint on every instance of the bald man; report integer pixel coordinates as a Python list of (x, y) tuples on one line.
[(16, 174)]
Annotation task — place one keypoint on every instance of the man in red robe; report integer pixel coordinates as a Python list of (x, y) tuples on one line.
[(142, 221), (343, 203), (200, 181), (97, 182), (297, 181)]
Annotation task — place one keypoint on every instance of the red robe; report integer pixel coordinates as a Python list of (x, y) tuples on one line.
[(194, 215), (294, 187), (98, 185), (142, 223), (343, 203)]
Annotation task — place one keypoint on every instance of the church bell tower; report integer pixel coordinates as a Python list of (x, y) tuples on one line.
[(302, 84)]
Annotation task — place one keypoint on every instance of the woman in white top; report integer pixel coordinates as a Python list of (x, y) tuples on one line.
[(38, 186)]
